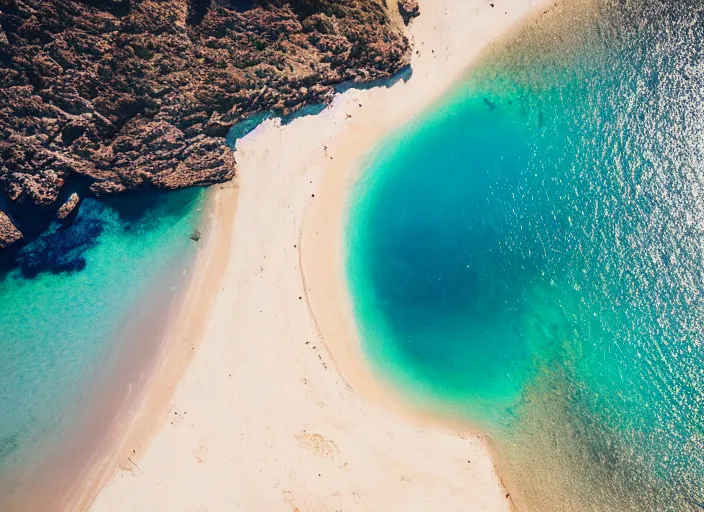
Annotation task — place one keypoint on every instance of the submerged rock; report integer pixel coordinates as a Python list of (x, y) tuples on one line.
[(61, 249), (68, 207), (124, 94), (9, 234), (408, 9)]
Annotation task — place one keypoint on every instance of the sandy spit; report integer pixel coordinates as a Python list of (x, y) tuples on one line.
[(277, 409)]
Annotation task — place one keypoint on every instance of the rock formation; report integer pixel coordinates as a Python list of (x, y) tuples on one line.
[(68, 207), (9, 234), (121, 94), (408, 9)]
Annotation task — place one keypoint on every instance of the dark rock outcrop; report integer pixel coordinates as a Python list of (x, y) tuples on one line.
[(408, 9), (122, 94), (68, 207), (9, 234)]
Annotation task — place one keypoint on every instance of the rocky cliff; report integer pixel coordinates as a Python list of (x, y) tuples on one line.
[(122, 94)]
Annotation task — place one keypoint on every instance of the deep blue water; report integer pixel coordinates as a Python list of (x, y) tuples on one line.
[(529, 255)]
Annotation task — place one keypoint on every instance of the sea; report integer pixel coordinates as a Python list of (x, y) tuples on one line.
[(83, 313), (527, 256)]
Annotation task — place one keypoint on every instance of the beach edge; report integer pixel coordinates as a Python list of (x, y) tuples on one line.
[(323, 244), (130, 437), (439, 67)]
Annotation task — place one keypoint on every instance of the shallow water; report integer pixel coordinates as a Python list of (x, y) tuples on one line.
[(529, 256), (66, 301)]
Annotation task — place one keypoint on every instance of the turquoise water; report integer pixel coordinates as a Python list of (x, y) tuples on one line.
[(529, 256), (68, 298)]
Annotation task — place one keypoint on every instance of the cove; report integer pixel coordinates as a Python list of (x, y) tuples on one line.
[(528, 256), (76, 303)]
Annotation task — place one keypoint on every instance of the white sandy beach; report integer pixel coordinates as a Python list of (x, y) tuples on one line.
[(276, 409)]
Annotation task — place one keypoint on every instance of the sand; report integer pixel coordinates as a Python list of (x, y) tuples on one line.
[(277, 410)]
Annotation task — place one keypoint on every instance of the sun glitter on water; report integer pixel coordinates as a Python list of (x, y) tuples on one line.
[(529, 256)]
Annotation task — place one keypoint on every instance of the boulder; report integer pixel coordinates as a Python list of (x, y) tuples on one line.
[(68, 207), (409, 9), (9, 234)]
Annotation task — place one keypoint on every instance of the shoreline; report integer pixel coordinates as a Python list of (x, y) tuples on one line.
[(305, 246), (183, 333), (153, 355), (323, 245), (181, 336), (133, 370)]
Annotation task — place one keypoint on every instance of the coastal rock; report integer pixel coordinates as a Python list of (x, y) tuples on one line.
[(408, 9), (9, 234), (68, 207), (121, 94)]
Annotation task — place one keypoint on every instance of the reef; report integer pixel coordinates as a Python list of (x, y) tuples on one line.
[(114, 95)]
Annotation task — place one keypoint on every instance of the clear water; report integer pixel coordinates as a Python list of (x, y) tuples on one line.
[(529, 255), (66, 301)]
